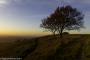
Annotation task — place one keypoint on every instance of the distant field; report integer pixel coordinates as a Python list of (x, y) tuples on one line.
[(74, 47), (13, 38)]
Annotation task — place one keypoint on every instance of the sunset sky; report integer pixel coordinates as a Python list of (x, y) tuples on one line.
[(23, 17)]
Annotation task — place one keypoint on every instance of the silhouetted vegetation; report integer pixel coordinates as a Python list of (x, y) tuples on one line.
[(63, 18), (65, 33)]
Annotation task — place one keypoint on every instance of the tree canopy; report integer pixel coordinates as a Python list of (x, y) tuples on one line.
[(63, 18)]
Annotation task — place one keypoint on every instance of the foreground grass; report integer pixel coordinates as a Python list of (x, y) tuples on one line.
[(74, 47)]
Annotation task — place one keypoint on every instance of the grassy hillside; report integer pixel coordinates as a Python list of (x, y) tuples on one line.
[(74, 47)]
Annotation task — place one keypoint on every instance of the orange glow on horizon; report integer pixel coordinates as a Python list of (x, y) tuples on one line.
[(33, 32), (29, 32)]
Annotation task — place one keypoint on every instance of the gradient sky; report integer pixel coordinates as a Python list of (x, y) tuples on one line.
[(23, 17)]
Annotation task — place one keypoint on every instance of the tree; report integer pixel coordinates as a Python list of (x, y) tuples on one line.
[(48, 24), (63, 18)]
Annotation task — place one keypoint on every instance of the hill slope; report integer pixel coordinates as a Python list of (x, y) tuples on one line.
[(74, 47)]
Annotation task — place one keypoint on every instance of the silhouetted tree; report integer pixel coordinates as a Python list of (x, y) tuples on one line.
[(63, 18), (49, 24)]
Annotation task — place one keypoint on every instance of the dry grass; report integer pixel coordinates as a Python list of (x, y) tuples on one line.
[(48, 47)]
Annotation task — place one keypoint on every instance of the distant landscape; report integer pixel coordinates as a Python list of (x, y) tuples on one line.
[(14, 38)]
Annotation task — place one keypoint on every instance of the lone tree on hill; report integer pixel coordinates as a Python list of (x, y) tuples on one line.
[(63, 18)]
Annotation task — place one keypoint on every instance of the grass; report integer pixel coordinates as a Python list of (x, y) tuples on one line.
[(74, 47)]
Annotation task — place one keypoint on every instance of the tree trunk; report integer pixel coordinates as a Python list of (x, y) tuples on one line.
[(61, 36), (61, 33)]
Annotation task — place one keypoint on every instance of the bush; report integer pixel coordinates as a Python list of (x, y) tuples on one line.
[(65, 33)]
